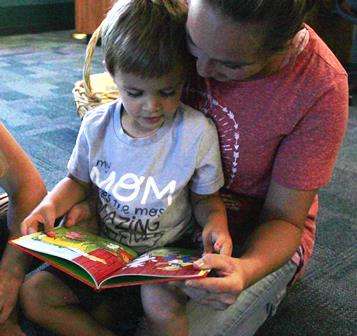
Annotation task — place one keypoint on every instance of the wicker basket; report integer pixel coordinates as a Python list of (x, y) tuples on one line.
[(93, 90), (4, 204)]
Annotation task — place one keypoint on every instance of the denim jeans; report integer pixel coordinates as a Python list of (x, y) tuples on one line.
[(253, 306)]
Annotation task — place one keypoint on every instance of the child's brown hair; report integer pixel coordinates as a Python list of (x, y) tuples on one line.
[(145, 37)]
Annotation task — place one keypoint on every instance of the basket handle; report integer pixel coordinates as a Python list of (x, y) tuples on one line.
[(88, 61)]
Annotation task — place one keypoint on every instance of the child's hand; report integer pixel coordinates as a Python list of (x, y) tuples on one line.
[(216, 239), (82, 214), (44, 214)]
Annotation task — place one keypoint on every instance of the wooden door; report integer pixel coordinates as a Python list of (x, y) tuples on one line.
[(90, 13)]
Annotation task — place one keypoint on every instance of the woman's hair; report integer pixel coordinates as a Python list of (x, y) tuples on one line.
[(145, 37), (280, 19)]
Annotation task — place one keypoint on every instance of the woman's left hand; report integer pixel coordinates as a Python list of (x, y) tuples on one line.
[(220, 291)]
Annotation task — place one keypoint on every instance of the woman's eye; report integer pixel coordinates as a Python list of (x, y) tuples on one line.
[(167, 93), (134, 94), (232, 66), (193, 50)]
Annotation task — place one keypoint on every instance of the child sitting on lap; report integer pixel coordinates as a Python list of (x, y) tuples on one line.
[(154, 162)]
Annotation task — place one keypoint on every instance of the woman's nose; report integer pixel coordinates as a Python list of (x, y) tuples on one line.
[(205, 66)]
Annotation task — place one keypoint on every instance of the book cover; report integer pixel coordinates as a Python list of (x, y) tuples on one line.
[(102, 263)]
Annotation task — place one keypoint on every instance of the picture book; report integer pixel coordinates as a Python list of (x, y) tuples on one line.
[(102, 263)]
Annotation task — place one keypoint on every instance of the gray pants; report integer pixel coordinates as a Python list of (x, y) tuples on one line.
[(253, 306)]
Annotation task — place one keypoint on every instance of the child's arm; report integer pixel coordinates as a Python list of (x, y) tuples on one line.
[(62, 197), (210, 214)]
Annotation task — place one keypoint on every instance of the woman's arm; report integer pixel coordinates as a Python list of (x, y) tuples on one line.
[(270, 246), (20, 179), (279, 235)]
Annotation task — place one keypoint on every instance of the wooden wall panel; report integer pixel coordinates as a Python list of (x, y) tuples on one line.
[(90, 13)]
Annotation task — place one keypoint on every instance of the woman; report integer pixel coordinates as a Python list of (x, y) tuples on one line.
[(20, 179), (279, 99)]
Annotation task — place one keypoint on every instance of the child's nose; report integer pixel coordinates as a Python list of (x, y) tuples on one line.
[(153, 105)]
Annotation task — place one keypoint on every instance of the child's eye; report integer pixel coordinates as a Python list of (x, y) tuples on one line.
[(168, 93), (134, 94)]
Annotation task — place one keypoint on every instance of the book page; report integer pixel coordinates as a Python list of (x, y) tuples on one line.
[(161, 263), (100, 257)]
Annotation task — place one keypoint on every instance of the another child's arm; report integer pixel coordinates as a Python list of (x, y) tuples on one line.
[(210, 214), (64, 195)]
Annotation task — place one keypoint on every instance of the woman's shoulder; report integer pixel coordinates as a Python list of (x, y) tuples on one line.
[(315, 72), (195, 119), (320, 59)]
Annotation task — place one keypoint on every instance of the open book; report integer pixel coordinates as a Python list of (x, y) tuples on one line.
[(102, 263)]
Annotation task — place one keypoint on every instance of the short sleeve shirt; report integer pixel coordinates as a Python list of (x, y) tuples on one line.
[(287, 127), (144, 183)]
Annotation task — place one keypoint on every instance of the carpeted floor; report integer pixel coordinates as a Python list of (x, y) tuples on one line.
[(37, 74)]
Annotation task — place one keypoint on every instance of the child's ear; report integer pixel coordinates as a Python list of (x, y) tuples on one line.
[(106, 69)]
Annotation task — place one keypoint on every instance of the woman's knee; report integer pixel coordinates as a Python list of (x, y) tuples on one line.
[(163, 301)]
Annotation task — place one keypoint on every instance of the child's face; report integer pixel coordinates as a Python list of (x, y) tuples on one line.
[(148, 102)]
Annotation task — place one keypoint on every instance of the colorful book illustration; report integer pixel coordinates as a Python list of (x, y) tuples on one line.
[(102, 263)]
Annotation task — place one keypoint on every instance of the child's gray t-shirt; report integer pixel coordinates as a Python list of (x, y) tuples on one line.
[(144, 183)]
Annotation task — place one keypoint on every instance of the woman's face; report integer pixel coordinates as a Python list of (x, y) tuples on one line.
[(224, 50)]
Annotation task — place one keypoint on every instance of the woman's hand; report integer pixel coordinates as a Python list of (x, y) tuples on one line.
[(219, 291)]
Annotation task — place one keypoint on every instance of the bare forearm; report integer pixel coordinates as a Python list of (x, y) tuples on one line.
[(211, 215), (21, 204), (209, 209), (270, 246), (66, 194), (279, 235)]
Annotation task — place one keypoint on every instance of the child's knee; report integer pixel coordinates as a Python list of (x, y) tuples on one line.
[(31, 297), (42, 292)]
